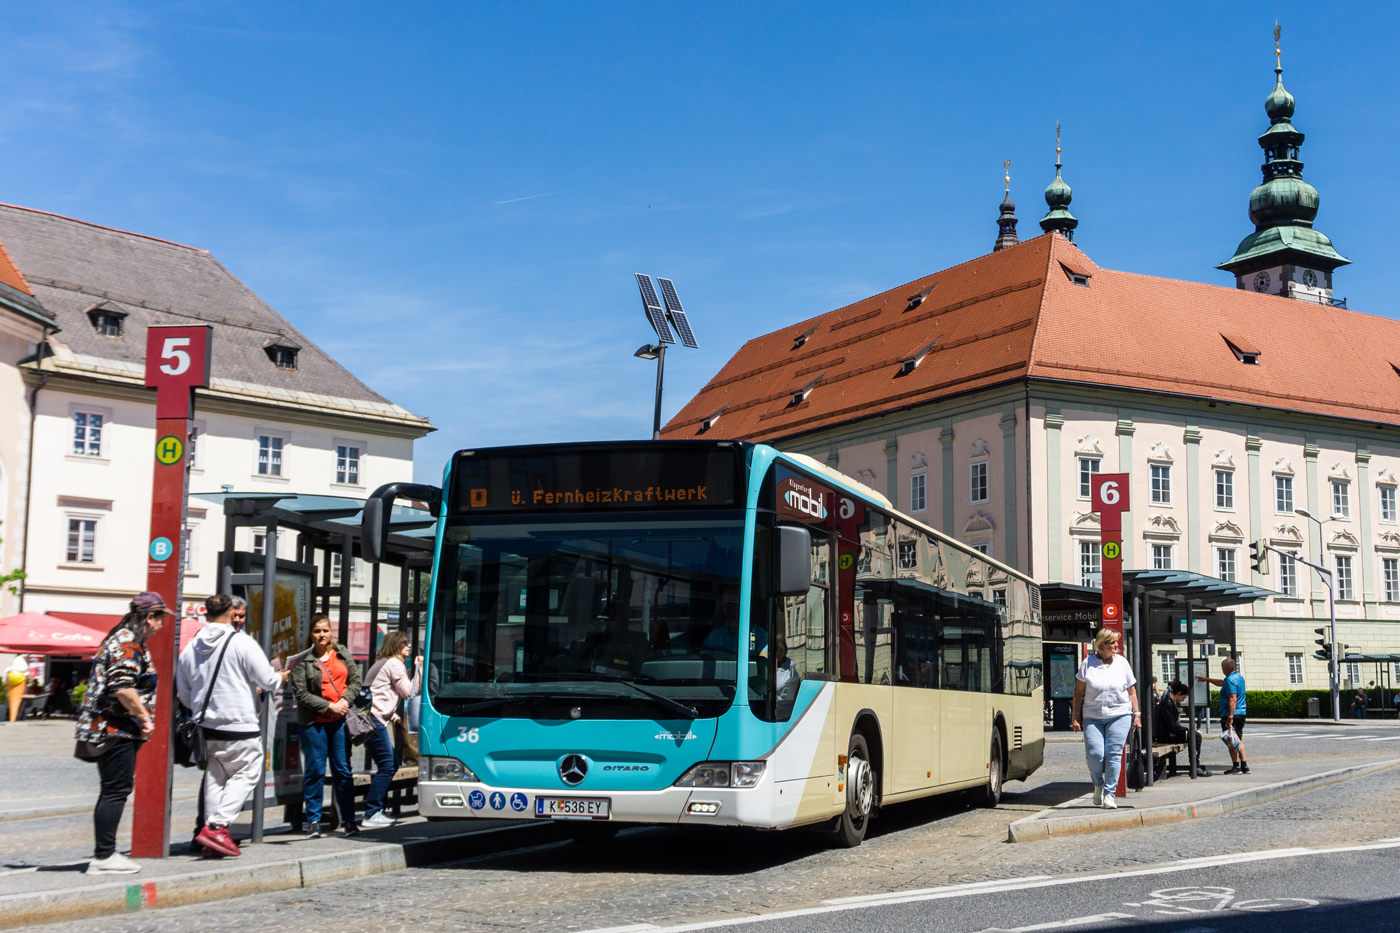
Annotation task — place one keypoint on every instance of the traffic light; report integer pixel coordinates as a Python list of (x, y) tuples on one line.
[(1324, 652), (1259, 557)]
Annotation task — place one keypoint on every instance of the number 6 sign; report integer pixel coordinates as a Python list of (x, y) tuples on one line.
[(1109, 494)]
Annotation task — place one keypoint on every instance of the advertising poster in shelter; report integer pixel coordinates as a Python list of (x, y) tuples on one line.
[(291, 614)]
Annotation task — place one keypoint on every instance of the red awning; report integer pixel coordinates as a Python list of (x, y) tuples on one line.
[(37, 633), (96, 621)]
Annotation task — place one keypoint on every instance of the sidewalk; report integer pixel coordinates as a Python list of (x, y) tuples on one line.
[(1180, 798)]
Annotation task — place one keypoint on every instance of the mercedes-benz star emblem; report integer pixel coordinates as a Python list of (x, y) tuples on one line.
[(573, 769)]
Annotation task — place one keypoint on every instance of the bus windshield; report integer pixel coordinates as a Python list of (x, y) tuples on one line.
[(588, 615)]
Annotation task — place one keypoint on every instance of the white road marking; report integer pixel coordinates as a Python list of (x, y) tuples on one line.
[(935, 894), (1060, 924), (971, 886)]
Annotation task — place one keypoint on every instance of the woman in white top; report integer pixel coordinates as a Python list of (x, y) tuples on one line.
[(388, 684), (1105, 708)]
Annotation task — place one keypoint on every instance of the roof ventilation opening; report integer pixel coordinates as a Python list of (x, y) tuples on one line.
[(911, 363), (1245, 351), (800, 339), (709, 422), (801, 394), (920, 298)]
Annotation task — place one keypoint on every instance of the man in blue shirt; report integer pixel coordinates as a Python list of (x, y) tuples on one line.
[(725, 638), (1232, 710)]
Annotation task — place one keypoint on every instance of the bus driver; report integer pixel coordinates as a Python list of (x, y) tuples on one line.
[(725, 637)]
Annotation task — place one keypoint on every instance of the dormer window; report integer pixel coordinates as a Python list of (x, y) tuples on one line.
[(282, 354), (106, 319), (1077, 274), (911, 363), (801, 394), (1245, 351), (803, 337), (709, 422)]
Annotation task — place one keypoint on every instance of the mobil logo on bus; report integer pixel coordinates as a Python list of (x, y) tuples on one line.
[(803, 501)]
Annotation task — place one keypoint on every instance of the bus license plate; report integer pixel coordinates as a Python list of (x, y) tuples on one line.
[(572, 808)]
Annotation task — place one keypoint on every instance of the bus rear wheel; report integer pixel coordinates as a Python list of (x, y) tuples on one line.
[(990, 795), (860, 796)]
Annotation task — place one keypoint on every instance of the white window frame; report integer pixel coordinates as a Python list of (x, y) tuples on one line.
[(979, 476), (1224, 499), (103, 450), (197, 429), (1166, 663), (1089, 467), (1227, 561), (1345, 576), (1161, 474), (96, 519), (1283, 482), (1351, 673), (984, 549), (191, 553), (1387, 500), (336, 559), (1288, 575), (1295, 668), (1161, 553), (282, 436), (1390, 579), (918, 492), (258, 544), (1090, 562), (1341, 498)]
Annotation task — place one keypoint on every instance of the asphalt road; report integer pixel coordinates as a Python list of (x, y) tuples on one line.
[(664, 876)]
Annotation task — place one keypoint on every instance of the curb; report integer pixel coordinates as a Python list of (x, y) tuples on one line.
[(1032, 828), (74, 809), (35, 907)]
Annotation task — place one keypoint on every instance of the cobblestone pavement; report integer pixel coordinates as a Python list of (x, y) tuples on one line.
[(657, 875)]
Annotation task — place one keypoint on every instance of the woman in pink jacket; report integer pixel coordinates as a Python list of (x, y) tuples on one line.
[(388, 684)]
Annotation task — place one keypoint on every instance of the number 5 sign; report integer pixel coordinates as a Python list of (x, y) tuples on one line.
[(177, 360)]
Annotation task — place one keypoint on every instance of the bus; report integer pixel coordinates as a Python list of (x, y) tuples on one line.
[(708, 632)]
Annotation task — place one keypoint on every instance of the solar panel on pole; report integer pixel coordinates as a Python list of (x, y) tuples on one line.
[(678, 318), (654, 312)]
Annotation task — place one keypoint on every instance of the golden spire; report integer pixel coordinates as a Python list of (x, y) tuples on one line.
[(1006, 165), (1057, 144), (1278, 55)]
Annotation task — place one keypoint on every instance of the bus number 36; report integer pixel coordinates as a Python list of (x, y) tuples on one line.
[(468, 735)]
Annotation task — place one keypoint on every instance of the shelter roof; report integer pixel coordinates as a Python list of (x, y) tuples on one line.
[(1018, 313)]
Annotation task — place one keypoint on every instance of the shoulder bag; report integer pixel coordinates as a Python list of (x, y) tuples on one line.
[(190, 750), (358, 724)]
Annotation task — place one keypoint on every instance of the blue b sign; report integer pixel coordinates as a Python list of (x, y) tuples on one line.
[(161, 549)]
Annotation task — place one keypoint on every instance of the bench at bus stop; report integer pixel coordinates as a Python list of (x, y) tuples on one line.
[(1164, 759), (403, 792)]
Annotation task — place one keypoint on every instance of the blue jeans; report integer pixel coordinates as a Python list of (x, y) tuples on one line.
[(319, 741), (382, 751), (1103, 747)]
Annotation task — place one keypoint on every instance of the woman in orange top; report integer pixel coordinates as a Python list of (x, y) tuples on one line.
[(324, 680)]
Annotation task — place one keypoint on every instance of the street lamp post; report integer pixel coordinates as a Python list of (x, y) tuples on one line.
[(656, 352), (1329, 580)]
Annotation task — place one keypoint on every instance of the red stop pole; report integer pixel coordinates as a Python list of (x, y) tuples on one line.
[(177, 360), (1109, 497)]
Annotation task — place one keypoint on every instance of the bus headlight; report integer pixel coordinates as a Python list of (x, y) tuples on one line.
[(723, 774), (444, 769)]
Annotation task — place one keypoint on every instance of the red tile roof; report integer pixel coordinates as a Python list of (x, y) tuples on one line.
[(1017, 313), (10, 274)]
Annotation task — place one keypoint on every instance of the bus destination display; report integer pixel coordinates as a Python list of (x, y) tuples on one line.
[(639, 477)]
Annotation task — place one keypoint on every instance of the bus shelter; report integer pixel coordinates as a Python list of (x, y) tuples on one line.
[(327, 540), (1382, 685)]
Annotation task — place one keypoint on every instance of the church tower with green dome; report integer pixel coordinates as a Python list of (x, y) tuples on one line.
[(1057, 197), (1284, 255)]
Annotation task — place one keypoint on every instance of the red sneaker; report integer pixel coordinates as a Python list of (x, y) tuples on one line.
[(214, 844), (227, 840)]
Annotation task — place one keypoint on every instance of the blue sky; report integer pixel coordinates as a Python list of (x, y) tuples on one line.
[(452, 198)]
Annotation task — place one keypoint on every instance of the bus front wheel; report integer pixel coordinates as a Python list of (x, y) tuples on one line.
[(990, 795), (860, 795)]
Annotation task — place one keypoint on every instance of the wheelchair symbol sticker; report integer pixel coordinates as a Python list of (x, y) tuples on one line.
[(477, 800), (498, 801), (517, 802)]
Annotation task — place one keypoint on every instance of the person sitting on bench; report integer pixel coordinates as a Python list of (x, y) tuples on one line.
[(1167, 728)]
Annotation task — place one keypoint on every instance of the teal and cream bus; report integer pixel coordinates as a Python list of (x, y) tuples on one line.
[(708, 632)]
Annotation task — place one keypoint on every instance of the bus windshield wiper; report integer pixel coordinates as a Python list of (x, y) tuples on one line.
[(470, 708), (689, 712)]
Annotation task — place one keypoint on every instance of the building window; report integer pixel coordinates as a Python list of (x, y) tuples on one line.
[(1224, 489), (188, 549), (192, 449), (999, 597), (82, 540), (1388, 504), (979, 481), (1161, 557), (1344, 587), (1390, 578), (1088, 469), (335, 569), (283, 357), (1287, 575), (1091, 564), (983, 549), (1341, 499), (108, 324), (1352, 674), (259, 542), (347, 465), (269, 455), (1295, 670), (87, 433), (1283, 495), (1166, 663), (1225, 563), (918, 492), (1161, 484)]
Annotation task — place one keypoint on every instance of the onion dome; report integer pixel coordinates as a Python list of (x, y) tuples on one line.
[(1006, 223), (1057, 197)]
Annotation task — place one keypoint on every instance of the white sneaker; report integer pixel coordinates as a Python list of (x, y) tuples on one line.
[(1098, 796), (1109, 803), (380, 820), (114, 864)]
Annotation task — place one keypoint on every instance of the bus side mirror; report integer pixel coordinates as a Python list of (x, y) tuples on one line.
[(374, 518), (794, 544)]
